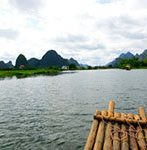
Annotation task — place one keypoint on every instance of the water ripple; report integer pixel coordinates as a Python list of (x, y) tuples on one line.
[(56, 112)]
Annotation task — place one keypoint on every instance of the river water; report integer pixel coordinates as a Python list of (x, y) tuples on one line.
[(55, 112)]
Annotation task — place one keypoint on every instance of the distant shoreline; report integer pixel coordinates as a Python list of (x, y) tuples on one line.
[(28, 72)]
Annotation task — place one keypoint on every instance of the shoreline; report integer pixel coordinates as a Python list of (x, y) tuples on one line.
[(28, 72)]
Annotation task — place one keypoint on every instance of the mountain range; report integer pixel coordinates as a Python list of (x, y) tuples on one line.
[(50, 58), (128, 56), (4, 65)]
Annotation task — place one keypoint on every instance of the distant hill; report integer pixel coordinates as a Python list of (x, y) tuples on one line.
[(21, 62), (73, 61), (84, 66), (139, 59), (143, 55), (9, 64), (50, 58), (117, 60), (127, 55), (4, 65), (34, 62)]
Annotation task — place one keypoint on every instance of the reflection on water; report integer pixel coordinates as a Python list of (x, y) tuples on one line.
[(55, 112)]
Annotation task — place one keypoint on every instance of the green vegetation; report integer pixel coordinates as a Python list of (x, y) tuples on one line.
[(28, 72), (133, 63), (72, 67)]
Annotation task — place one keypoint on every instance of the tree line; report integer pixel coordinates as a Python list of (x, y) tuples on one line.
[(133, 63)]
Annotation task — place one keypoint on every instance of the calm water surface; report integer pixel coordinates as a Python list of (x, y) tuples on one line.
[(55, 112)]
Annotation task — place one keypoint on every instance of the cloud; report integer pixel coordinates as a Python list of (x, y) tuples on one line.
[(78, 42), (123, 26), (7, 57), (71, 38), (133, 35), (27, 5), (9, 34), (104, 1), (96, 46), (92, 31)]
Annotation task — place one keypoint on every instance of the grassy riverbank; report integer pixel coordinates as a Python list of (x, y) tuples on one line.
[(26, 73)]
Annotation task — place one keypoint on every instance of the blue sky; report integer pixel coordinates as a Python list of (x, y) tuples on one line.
[(92, 31)]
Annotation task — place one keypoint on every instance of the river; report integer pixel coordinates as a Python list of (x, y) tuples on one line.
[(55, 112)]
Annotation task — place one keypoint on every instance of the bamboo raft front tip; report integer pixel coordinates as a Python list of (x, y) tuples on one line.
[(118, 131)]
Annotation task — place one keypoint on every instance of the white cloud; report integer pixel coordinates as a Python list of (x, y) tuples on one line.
[(92, 31), (8, 33)]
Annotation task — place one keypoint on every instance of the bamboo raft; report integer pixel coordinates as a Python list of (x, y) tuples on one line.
[(118, 131)]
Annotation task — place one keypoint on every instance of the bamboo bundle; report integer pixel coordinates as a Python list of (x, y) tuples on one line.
[(112, 130)]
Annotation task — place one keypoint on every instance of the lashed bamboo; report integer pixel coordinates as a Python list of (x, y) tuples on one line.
[(133, 143), (124, 136), (140, 136), (116, 139), (100, 134), (100, 137), (145, 132), (92, 134), (143, 116), (108, 132)]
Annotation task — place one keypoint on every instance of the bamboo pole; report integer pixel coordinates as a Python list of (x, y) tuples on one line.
[(108, 133), (121, 120), (145, 133), (141, 112), (108, 141), (116, 139), (124, 138), (92, 134), (140, 136), (111, 108), (143, 117), (137, 117), (100, 134), (133, 143)]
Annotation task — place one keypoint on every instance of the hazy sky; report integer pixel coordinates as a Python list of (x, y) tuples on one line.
[(91, 31)]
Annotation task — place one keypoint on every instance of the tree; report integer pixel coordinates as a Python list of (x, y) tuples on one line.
[(72, 67)]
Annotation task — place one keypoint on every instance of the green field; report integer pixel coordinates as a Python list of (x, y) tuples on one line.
[(26, 73)]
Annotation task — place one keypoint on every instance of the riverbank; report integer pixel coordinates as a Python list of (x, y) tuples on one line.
[(26, 73)]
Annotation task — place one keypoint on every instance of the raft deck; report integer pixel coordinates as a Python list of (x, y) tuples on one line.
[(118, 131)]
